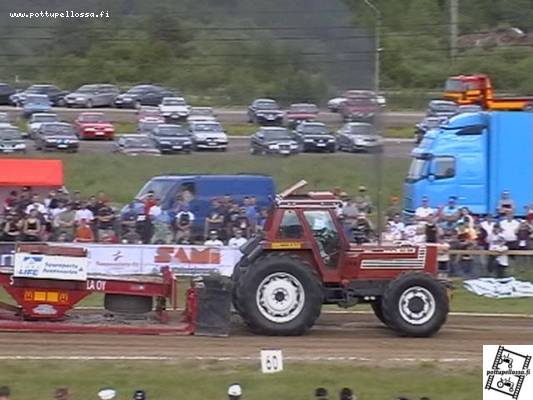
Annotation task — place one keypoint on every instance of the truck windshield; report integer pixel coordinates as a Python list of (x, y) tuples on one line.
[(454, 85), (417, 170)]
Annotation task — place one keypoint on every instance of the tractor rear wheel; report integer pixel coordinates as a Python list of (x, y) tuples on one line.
[(415, 304), (280, 294), (126, 304)]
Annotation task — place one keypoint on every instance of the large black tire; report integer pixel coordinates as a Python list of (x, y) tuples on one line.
[(415, 304), (127, 304), (378, 310), (295, 289)]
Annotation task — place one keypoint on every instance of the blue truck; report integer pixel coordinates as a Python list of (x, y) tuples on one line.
[(474, 157)]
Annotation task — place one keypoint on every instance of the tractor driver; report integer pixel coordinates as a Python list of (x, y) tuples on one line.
[(325, 234)]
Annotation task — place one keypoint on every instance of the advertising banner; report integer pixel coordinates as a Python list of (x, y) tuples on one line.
[(50, 267)]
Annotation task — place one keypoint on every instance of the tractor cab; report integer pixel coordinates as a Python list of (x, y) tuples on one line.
[(468, 89)]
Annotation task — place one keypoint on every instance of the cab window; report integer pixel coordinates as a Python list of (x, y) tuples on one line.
[(290, 226), (443, 167)]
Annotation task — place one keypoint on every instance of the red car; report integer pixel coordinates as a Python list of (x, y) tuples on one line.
[(94, 125), (301, 112)]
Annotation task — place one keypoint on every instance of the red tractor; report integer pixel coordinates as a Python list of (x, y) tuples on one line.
[(304, 260)]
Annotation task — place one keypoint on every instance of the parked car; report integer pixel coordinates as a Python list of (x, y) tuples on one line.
[(425, 125), (362, 108), (11, 140), (208, 135), (315, 136), (170, 138), (56, 95), (56, 136), (174, 108), (265, 112), (37, 119), (469, 108), (358, 136), (95, 95), (94, 125), (300, 112), (441, 108), (148, 124), (5, 93), (142, 95), (134, 145), (36, 103), (151, 113), (274, 140), (201, 114), (334, 104)]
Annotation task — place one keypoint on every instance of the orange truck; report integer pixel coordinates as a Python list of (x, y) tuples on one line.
[(477, 89)]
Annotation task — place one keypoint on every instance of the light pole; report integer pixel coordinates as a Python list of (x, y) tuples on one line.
[(379, 155)]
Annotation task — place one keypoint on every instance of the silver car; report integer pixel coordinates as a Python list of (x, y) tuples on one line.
[(88, 96), (208, 135), (359, 136)]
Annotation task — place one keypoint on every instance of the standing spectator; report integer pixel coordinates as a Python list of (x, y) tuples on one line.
[(234, 391), (105, 221), (10, 201), (388, 235), (263, 215), (432, 231), (449, 214), (363, 201), (162, 232), (230, 218), (523, 235), (510, 226), (50, 202), (237, 240), (83, 212), (251, 212), (215, 219), (184, 220), (64, 222), (149, 201), (84, 233), (505, 204), (424, 213), (486, 227), (393, 207), (32, 228), (5, 393), (362, 230), (501, 260), (36, 204), (213, 239), (397, 225), (443, 256), (243, 223), (419, 236), (12, 229), (349, 214)]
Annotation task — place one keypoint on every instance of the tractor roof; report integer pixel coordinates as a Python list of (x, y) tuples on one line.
[(288, 198)]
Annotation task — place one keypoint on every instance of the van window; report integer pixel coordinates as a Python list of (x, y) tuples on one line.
[(187, 191), (444, 167), (290, 227), (160, 187)]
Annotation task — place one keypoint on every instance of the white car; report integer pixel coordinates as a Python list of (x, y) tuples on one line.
[(174, 108), (335, 104), (208, 135), (39, 118)]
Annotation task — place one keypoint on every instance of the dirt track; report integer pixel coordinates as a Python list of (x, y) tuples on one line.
[(337, 337)]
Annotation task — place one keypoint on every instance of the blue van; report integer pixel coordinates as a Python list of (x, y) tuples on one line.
[(203, 188), (36, 103)]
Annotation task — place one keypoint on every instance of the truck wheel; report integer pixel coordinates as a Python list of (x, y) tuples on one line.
[(378, 310), (280, 294), (126, 304), (415, 304)]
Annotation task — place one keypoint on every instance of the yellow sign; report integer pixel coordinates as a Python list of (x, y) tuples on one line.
[(286, 245)]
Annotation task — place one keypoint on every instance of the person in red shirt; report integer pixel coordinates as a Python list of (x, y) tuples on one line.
[(84, 233), (149, 202)]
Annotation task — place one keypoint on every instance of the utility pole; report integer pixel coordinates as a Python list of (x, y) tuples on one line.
[(379, 156), (454, 17)]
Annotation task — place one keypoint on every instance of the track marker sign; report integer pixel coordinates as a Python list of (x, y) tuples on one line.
[(271, 361)]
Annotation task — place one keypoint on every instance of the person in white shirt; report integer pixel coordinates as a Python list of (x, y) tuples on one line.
[(237, 240), (509, 227), (424, 213), (497, 244), (36, 205), (83, 213), (397, 225), (213, 239)]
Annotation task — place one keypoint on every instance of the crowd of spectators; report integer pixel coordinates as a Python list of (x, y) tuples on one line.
[(63, 217), (451, 226)]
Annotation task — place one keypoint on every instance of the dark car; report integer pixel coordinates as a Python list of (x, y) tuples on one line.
[(171, 138), (441, 108), (6, 92), (359, 136), (265, 112), (315, 136), (142, 95), (274, 140), (95, 95), (56, 136), (11, 140), (362, 108), (55, 95), (300, 112), (134, 145), (425, 125)]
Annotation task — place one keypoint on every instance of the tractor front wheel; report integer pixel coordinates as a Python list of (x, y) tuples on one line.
[(415, 304), (279, 294), (378, 310)]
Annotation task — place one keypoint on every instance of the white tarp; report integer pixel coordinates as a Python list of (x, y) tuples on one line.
[(50, 267), (499, 288), (148, 259)]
